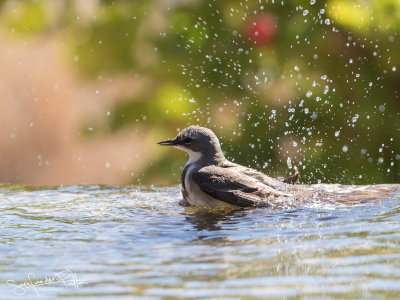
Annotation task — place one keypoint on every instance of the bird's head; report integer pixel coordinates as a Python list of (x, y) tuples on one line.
[(197, 142)]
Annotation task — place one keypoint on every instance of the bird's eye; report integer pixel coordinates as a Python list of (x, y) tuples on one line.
[(187, 140)]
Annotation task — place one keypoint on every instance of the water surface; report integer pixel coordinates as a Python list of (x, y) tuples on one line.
[(106, 242)]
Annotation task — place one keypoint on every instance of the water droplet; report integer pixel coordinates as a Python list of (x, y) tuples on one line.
[(308, 94), (289, 162), (337, 133), (312, 2), (345, 148), (305, 12)]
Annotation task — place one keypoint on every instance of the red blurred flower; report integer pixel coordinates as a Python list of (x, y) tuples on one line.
[(261, 29)]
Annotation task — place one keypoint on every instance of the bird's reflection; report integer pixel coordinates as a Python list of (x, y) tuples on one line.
[(212, 219)]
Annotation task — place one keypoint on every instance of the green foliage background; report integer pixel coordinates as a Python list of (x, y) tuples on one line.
[(325, 92)]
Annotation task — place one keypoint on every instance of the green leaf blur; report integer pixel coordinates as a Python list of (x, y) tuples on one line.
[(324, 92)]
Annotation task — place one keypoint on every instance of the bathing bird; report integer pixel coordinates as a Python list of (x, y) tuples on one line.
[(209, 179)]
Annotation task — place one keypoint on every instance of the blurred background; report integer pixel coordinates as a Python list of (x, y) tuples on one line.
[(88, 87)]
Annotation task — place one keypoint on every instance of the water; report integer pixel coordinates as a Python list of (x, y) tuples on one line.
[(106, 242)]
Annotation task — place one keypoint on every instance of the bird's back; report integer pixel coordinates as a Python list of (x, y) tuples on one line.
[(238, 185)]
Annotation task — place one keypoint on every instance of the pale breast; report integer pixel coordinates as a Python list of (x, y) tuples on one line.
[(192, 193)]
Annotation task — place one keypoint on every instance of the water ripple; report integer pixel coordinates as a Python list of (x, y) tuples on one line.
[(123, 242)]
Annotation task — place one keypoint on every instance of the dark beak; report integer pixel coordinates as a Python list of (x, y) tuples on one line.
[(167, 143)]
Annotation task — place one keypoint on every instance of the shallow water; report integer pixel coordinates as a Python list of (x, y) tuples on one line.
[(123, 242)]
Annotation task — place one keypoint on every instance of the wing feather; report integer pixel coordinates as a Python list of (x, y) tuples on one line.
[(228, 186)]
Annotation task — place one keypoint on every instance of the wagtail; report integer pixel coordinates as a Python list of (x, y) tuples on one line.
[(209, 179)]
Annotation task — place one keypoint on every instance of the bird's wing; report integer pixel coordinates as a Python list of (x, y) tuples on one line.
[(272, 182), (231, 187)]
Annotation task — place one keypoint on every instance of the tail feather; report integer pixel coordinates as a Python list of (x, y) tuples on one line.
[(343, 196)]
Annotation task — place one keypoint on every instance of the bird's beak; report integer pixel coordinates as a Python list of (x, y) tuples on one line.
[(167, 143)]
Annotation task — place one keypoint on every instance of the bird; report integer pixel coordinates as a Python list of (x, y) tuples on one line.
[(211, 180)]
